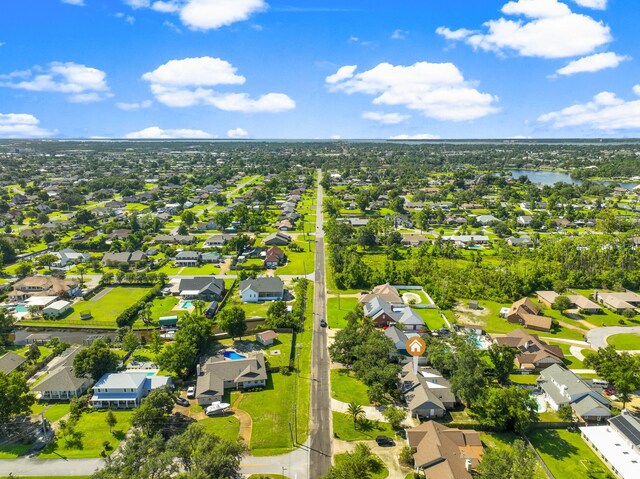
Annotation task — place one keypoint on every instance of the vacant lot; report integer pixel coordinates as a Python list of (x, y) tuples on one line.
[(344, 428), (346, 388), (337, 309), (104, 310)]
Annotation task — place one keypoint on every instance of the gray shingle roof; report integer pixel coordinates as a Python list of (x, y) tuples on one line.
[(10, 362), (263, 285)]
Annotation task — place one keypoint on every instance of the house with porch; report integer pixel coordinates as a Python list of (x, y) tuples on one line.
[(261, 289), (125, 390)]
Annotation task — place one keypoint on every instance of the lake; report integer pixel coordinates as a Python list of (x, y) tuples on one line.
[(552, 177)]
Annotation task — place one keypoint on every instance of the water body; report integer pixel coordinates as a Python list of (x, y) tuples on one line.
[(550, 178)]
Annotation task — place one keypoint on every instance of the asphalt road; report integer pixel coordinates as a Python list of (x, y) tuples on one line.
[(320, 427)]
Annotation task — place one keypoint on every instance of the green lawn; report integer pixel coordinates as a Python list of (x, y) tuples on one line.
[(94, 432), (523, 378), (569, 359), (204, 270), (431, 317), (625, 342), (53, 412), (344, 428), (104, 310), (227, 427), (567, 455), (282, 344), (299, 263), (380, 472), (163, 306), (23, 350), (11, 451), (336, 314), (346, 388)]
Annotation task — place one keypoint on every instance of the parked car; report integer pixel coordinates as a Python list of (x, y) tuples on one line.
[(384, 441), (180, 401), (191, 392), (610, 391)]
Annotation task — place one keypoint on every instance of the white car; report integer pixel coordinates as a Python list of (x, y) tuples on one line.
[(191, 392)]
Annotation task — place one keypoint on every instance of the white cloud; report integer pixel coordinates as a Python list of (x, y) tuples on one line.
[(21, 125), (336, 137), (237, 133), (204, 14), (593, 63), (399, 34), (158, 133), (386, 118), (594, 4), (343, 73), (419, 136), (636, 90), (184, 83), (201, 71), (80, 83), (134, 106), (436, 90), (551, 31), (127, 18), (605, 112), (79, 3)]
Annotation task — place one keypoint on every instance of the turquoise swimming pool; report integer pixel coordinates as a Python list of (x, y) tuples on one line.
[(21, 309), (187, 305)]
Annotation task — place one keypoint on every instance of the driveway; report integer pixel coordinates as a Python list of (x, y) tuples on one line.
[(598, 337)]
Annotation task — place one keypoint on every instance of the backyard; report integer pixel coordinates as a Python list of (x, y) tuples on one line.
[(567, 455), (104, 308)]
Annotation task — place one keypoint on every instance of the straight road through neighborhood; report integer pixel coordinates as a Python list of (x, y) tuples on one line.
[(320, 445)]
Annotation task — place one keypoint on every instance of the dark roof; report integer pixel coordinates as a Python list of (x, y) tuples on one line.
[(202, 284), (10, 362), (263, 285), (628, 426)]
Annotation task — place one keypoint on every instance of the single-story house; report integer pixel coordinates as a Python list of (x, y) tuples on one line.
[(274, 257), (484, 220), (445, 453), (115, 259), (61, 383), (261, 289), (534, 354), (523, 240), (385, 291), (618, 444), (524, 220), (578, 302), (217, 240), (462, 241), (266, 338), (415, 240), (527, 313), (175, 239), (618, 301), (277, 239), (426, 393), (125, 390), (43, 286), (206, 288), (563, 387), (10, 361), (68, 256), (219, 374)]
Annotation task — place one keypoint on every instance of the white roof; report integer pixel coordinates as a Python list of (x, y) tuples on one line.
[(59, 305), (615, 449), (121, 380), (40, 300)]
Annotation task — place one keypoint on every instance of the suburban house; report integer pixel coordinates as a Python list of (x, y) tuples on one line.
[(125, 390), (562, 387), (533, 354), (68, 257), (277, 239), (462, 241), (579, 303), (261, 289), (175, 239), (284, 225), (220, 373), (187, 259), (445, 453), (618, 301), (384, 314), (217, 240), (116, 259), (205, 288), (415, 240), (527, 313), (426, 393), (56, 309), (484, 220), (523, 240), (43, 286), (10, 361), (266, 338), (61, 383), (618, 444), (384, 291), (274, 257), (524, 220)]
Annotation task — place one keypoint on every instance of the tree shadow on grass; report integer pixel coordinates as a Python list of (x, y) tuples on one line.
[(553, 445)]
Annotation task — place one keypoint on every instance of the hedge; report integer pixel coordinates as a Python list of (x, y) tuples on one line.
[(128, 316)]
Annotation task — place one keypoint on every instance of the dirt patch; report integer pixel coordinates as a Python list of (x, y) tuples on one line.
[(467, 315), (408, 297)]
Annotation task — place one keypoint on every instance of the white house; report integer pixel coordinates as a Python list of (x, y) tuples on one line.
[(125, 390), (261, 289), (57, 308), (68, 257)]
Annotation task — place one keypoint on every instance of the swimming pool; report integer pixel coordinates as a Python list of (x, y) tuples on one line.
[(233, 355), (151, 373), (187, 305), (21, 309)]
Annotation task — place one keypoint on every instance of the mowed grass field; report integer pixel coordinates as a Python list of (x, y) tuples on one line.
[(625, 342), (104, 310)]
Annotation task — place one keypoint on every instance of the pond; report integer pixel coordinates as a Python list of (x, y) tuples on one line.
[(552, 177)]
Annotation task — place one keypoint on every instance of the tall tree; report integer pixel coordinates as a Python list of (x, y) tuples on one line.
[(15, 397), (502, 357), (515, 462), (232, 321), (96, 360), (6, 327), (152, 414)]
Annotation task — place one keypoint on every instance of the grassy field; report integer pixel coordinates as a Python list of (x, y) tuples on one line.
[(336, 314), (104, 310), (163, 306), (567, 455), (380, 472), (227, 427), (299, 263), (344, 428), (12, 451), (94, 431), (523, 378), (53, 412), (346, 388), (625, 342), (431, 317)]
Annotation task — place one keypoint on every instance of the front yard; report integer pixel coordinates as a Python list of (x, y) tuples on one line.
[(345, 429), (346, 388), (93, 431)]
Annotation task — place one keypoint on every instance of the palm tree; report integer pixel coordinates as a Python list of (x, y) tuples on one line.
[(356, 411), (198, 305), (81, 269)]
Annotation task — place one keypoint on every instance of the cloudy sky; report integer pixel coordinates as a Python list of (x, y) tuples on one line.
[(319, 68)]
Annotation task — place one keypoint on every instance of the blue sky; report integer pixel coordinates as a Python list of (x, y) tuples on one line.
[(319, 68)]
